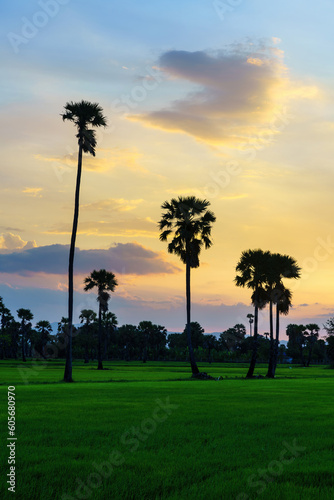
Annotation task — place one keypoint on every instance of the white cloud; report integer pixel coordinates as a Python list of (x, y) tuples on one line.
[(10, 242)]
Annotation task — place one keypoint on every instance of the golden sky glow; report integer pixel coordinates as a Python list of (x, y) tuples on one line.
[(245, 121)]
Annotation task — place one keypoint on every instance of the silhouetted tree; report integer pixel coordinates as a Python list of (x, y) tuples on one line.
[(297, 342), (25, 316), (312, 335), (330, 349), (109, 322), (210, 343), (83, 114), (279, 267), (232, 338), (128, 341), (6, 339), (87, 316), (43, 330), (105, 282), (329, 327), (252, 268), (62, 335), (189, 222)]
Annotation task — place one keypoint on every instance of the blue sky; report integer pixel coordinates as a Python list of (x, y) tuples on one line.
[(188, 91)]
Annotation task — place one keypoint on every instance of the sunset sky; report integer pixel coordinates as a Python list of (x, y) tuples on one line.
[(230, 101)]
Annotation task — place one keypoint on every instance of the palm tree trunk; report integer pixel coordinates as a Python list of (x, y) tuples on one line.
[(68, 364), (276, 340), (270, 373), (255, 343), (193, 364), (99, 350)]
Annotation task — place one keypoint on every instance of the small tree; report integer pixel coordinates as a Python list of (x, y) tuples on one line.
[(105, 282), (329, 327), (25, 316), (43, 330), (87, 316), (312, 335)]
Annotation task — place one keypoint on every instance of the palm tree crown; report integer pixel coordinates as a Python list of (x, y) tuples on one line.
[(25, 315), (252, 268), (104, 281), (191, 223), (84, 114)]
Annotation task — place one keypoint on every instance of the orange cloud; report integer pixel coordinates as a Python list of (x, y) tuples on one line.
[(114, 204), (132, 227), (35, 192), (106, 159)]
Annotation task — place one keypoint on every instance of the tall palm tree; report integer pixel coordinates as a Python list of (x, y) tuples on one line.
[(280, 267), (189, 222), (105, 282), (83, 114), (252, 268), (25, 316)]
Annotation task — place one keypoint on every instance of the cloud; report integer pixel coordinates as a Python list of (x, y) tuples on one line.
[(124, 258), (35, 192), (105, 159), (238, 91), (232, 197), (114, 204), (10, 242), (130, 226)]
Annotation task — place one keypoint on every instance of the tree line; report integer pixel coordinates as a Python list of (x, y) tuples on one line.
[(106, 340)]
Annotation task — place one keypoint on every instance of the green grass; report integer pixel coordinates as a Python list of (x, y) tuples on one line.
[(217, 442)]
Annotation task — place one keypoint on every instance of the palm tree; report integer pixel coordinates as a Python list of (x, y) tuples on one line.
[(252, 266), (25, 315), (190, 223), (280, 267), (83, 114), (109, 325), (312, 337), (105, 282), (44, 329), (88, 316)]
